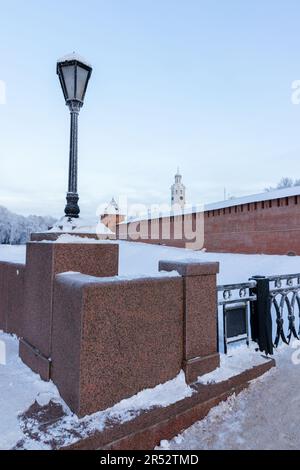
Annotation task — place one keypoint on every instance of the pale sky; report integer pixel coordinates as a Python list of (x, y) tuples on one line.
[(203, 85)]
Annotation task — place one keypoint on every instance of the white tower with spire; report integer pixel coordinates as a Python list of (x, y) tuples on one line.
[(178, 192)]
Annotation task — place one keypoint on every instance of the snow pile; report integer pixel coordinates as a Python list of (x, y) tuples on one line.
[(160, 396), (74, 56), (80, 225), (20, 388), (238, 360), (75, 278), (16, 229), (67, 238)]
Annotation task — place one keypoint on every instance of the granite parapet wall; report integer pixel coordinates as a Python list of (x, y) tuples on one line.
[(114, 337), (117, 337), (102, 338)]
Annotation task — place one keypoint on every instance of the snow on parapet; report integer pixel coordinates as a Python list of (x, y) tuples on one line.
[(266, 196), (81, 225)]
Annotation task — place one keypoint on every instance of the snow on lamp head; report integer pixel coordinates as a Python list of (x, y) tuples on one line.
[(74, 74)]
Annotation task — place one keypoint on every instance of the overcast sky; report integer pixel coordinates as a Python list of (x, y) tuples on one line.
[(204, 85)]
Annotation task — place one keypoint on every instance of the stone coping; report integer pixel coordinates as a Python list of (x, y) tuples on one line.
[(190, 267)]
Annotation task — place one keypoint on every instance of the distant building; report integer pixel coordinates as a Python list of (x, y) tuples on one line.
[(111, 216), (178, 192)]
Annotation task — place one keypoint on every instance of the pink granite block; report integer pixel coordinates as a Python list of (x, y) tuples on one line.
[(112, 339)]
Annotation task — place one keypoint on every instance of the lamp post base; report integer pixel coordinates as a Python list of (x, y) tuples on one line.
[(72, 210)]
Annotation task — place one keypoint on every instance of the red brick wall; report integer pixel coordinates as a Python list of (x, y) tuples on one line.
[(269, 227)]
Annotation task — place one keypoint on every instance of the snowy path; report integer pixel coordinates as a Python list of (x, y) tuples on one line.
[(266, 416)]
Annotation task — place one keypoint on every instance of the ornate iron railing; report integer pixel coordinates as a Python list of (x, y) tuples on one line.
[(257, 303), (234, 293), (235, 300), (285, 299)]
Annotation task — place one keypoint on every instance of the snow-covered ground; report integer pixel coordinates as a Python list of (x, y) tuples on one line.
[(20, 388), (142, 258), (266, 416)]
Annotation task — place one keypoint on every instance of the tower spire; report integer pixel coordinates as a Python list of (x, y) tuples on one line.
[(178, 192)]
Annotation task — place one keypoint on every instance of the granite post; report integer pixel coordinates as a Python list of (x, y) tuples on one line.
[(200, 352)]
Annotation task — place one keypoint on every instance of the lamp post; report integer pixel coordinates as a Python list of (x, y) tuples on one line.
[(74, 74)]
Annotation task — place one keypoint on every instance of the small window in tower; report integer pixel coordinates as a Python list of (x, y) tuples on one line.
[(181, 198)]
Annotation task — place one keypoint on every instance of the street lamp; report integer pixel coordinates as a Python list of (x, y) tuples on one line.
[(74, 74)]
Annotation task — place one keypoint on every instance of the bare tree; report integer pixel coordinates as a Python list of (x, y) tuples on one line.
[(284, 183)]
